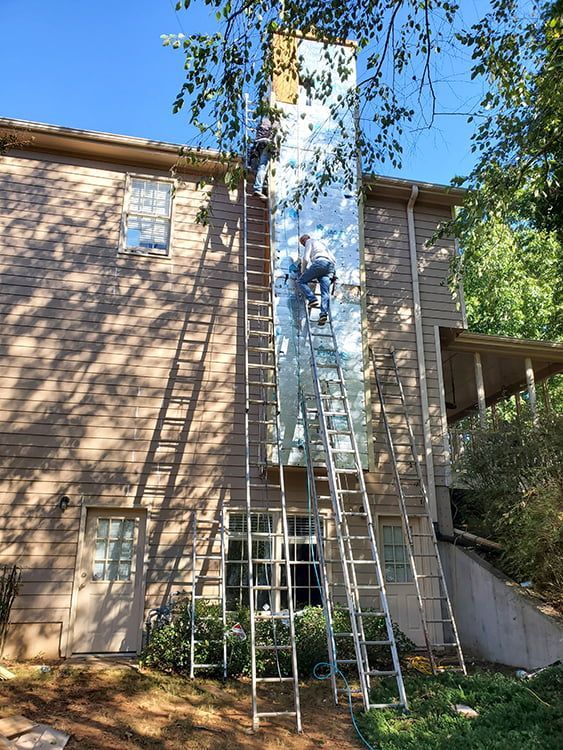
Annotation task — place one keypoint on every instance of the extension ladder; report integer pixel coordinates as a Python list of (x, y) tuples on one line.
[(327, 412), (208, 572), (263, 458), (436, 613)]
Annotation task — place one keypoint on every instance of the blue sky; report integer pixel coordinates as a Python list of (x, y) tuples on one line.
[(101, 66)]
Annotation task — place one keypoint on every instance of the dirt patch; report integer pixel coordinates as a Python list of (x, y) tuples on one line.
[(120, 708)]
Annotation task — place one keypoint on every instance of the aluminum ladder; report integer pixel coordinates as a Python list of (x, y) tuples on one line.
[(327, 412), (435, 608), (208, 572), (264, 474)]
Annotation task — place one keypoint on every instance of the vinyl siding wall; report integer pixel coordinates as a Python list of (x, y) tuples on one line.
[(96, 347), (123, 375)]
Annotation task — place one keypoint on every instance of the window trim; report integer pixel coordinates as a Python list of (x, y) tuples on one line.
[(139, 251)]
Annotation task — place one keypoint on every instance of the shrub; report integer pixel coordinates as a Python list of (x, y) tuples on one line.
[(513, 480), (168, 648)]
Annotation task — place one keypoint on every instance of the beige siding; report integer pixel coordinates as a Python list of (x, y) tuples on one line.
[(99, 348), (391, 322), (94, 346)]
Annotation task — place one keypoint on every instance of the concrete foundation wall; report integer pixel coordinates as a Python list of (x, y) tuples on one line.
[(497, 621)]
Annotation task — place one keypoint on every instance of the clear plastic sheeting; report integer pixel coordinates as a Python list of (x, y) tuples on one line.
[(334, 219)]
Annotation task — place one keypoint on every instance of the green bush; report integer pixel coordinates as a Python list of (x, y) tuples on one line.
[(513, 493), (168, 648)]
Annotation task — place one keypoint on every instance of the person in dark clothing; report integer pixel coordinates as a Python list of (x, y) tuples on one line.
[(262, 150)]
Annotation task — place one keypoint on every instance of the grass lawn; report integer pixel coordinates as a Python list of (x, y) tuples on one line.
[(119, 708), (513, 714)]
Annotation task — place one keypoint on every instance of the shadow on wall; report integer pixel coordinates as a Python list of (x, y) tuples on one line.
[(101, 353)]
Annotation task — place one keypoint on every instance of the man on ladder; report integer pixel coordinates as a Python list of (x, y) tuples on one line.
[(317, 263)]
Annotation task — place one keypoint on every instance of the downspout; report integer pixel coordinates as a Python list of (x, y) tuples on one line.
[(417, 311)]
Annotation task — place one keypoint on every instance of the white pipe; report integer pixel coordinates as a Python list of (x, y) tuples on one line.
[(480, 385), (530, 380), (417, 311)]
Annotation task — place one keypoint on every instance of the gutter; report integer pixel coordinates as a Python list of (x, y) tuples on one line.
[(417, 312)]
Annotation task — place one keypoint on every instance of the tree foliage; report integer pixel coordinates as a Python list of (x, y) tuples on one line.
[(396, 41), (511, 227), (512, 280), (519, 137)]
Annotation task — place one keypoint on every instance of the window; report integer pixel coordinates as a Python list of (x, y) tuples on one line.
[(268, 545), (237, 558), (147, 216), (397, 568), (113, 551)]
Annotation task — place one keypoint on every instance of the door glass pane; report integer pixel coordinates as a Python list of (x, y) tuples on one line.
[(113, 550)]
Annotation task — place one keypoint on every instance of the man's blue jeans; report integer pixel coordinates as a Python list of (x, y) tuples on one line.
[(322, 270), (262, 167)]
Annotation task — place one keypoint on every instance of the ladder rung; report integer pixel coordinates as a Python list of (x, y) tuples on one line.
[(205, 666), (448, 619), (428, 576), (266, 714), (381, 672), (272, 647), (375, 643), (274, 679), (343, 635), (273, 615), (360, 562), (261, 384), (386, 705), (370, 614), (209, 578), (264, 587), (346, 661)]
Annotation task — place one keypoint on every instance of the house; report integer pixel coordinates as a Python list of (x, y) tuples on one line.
[(122, 397)]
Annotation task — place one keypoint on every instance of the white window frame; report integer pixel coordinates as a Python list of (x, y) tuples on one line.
[(276, 542), (141, 251)]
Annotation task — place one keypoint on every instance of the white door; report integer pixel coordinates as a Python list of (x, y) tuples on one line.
[(109, 606)]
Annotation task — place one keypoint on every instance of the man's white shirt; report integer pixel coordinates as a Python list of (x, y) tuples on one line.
[(316, 250)]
